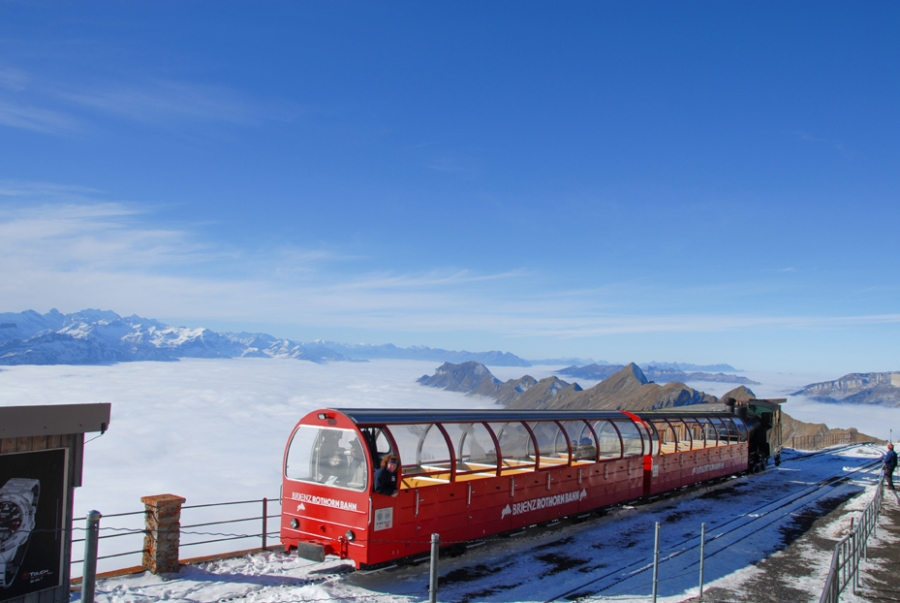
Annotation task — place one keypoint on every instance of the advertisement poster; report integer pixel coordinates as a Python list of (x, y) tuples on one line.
[(32, 506)]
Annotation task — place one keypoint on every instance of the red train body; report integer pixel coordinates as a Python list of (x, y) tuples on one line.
[(467, 475)]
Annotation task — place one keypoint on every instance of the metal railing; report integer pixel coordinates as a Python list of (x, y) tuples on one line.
[(817, 442), (264, 534), (246, 526), (119, 534), (849, 551)]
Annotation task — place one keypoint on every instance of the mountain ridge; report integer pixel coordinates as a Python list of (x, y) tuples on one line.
[(628, 388), (103, 337), (855, 388), (654, 373)]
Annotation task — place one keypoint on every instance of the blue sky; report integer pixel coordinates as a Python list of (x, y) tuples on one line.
[(697, 181)]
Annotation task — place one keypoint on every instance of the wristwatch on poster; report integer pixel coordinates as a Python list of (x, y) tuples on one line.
[(18, 506)]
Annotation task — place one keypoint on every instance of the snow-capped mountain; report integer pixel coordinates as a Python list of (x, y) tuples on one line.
[(420, 352), (102, 337)]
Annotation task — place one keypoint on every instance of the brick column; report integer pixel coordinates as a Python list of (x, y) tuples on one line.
[(163, 523)]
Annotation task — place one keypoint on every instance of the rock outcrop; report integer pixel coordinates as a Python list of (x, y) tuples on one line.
[(473, 378), (855, 388)]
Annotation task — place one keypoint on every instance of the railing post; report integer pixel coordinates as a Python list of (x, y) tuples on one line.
[(433, 578), (265, 517), (163, 523), (89, 569), (702, 558), (656, 562)]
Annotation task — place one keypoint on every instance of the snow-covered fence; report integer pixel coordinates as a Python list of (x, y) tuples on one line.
[(205, 535), (849, 551), (816, 442)]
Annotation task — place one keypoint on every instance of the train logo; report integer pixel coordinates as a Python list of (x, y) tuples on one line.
[(536, 504), (707, 468)]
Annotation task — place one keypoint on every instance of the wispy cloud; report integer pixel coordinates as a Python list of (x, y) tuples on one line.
[(804, 136), (36, 119), (56, 107), (164, 102), (63, 248)]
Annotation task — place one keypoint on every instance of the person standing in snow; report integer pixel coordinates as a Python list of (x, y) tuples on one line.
[(890, 463), (386, 476)]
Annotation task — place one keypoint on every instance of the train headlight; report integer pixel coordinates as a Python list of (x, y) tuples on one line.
[(294, 523), (349, 535)]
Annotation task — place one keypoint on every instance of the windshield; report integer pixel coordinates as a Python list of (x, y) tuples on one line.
[(329, 456)]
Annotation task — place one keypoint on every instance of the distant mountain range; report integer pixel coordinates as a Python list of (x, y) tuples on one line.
[(563, 361), (658, 374), (855, 388), (628, 388), (104, 337), (687, 367)]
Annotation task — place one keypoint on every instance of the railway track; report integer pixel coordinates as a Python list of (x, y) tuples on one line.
[(718, 541)]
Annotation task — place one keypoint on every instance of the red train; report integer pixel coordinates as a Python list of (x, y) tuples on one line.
[(468, 474)]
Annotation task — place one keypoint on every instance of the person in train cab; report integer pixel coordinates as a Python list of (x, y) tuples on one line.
[(386, 476), (890, 463)]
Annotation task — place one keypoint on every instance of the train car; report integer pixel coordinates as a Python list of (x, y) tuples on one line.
[(469, 474)]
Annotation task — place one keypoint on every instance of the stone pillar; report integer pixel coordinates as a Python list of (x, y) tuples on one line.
[(163, 524)]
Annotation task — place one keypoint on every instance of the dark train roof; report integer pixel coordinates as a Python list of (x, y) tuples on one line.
[(406, 416), (715, 409)]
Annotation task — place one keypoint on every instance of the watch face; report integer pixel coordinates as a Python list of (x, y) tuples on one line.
[(11, 517)]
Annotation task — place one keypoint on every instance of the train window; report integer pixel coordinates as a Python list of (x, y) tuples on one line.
[(379, 445), (551, 443), (731, 431), (582, 440), (516, 446), (721, 430), (701, 433), (632, 442), (650, 439), (667, 441), (474, 447), (324, 455), (422, 449), (710, 437), (682, 429), (742, 429), (610, 441)]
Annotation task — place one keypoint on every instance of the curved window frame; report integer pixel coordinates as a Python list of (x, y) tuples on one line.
[(585, 424), (516, 464), (458, 451)]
